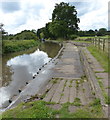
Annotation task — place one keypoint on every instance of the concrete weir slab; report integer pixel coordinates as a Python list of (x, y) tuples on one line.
[(68, 70), (69, 65)]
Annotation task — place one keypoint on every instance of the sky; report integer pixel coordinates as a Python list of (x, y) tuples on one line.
[(18, 15)]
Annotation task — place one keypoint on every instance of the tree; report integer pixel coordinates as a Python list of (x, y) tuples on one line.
[(57, 28), (90, 33), (40, 32), (3, 33), (64, 20), (102, 32), (1, 27), (47, 32), (24, 35), (41, 35)]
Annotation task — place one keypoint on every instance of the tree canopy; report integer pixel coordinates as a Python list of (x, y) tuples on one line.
[(64, 20), (102, 31)]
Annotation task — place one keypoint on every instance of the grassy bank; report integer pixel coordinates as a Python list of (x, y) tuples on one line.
[(10, 46), (41, 109), (81, 41), (101, 56), (107, 36)]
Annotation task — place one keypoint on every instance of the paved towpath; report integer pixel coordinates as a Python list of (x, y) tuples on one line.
[(69, 65), (68, 82)]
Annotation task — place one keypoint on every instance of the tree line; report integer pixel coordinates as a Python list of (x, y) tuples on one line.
[(64, 24)]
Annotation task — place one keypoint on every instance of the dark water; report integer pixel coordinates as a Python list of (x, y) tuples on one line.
[(19, 68)]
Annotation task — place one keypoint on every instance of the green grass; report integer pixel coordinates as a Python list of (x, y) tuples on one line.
[(40, 109), (77, 102), (100, 56), (106, 36), (93, 110), (37, 109), (10, 46), (96, 108), (106, 97), (81, 41), (0, 116), (85, 37)]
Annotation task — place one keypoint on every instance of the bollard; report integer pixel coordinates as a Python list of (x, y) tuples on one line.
[(39, 68), (10, 101), (37, 72), (19, 91), (26, 82), (33, 77)]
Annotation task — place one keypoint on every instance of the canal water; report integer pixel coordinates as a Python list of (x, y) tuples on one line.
[(19, 68)]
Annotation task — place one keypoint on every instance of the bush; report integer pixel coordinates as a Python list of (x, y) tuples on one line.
[(72, 37), (10, 46)]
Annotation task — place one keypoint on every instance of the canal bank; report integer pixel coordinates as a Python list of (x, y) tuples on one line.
[(69, 91), (20, 68)]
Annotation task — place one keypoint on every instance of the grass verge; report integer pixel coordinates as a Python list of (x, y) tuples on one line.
[(106, 97), (100, 56), (82, 41), (40, 109)]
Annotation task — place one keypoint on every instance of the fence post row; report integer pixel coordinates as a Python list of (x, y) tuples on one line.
[(99, 43)]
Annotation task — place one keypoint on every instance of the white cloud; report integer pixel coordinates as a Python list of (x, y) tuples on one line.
[(97, 17), (36, 13)]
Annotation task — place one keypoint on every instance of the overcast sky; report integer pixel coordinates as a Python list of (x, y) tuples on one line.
[(18, 15)]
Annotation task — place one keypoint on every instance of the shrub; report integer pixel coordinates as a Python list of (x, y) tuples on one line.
[(72, 37), (10, 46)]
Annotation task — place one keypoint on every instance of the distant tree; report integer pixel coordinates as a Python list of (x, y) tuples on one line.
[(34, 31), (91, 33), (3, 33), (64, 20), (25, 35), (81, 33), (1, 27), (102, 32), (10, 37)]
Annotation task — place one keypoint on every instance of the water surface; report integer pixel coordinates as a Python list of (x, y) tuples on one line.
[(19, 68)]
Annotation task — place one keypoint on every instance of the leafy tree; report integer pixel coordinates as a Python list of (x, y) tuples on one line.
[(91, 33), (40, 32), (25, 35), (64, 20), (81, 33), (47, 32), (34, 31), (1, 27), (87, 33), (41, 35), (3, 33), (102, 32), (57, 28)]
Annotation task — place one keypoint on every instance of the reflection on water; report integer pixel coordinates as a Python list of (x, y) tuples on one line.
[(21, 69), (50, 48), (30, 63)]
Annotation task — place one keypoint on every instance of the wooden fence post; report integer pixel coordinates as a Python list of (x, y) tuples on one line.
[(103, 44), (99, 43), (95, 42)]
